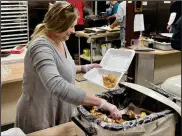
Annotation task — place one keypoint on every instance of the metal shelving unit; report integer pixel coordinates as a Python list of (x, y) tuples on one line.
[(14, 24)]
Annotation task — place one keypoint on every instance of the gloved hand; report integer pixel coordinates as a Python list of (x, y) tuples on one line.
[(112, 26), (114, 112), (88, 67), (168, 28)]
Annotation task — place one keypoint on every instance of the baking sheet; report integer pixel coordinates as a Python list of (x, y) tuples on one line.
[(96, 30), (107, 28)]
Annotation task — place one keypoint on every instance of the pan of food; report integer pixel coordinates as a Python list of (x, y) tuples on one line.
[(144, 112), (115, 64)]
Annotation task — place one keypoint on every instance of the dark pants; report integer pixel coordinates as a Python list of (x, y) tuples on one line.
[(72, 43)]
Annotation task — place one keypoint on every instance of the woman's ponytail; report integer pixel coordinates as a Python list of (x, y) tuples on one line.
[(40, 28)]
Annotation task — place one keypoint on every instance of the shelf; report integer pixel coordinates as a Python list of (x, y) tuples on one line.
[(95, 58), (14, 18), (41, 8), (15, 38)]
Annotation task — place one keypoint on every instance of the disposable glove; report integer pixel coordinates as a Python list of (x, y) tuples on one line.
[(114, 112), (88, 67)]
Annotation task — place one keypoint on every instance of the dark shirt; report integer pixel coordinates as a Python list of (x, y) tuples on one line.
[(176, 7), (176, 38)]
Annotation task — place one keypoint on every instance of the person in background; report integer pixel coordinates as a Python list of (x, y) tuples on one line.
[(87, 11), (175, 13), (108, 8), (114, 8), (49, 95), (121, 19), (176, 37), (176, 45)]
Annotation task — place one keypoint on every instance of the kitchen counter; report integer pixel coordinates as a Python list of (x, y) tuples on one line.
[(16, 73), (67, 129), (156, 66), (156, 52), (10, 92)]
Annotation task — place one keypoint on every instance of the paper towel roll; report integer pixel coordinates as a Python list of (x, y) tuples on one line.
[(138, 23)]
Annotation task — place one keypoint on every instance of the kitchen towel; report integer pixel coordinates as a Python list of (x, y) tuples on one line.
[(138, 23)]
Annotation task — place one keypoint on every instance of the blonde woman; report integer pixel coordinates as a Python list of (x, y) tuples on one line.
[(49, 94)]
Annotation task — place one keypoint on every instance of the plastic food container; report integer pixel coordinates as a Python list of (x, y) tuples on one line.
[(115, 62)]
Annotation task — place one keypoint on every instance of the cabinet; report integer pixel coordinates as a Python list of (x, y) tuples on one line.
[(10, 92)]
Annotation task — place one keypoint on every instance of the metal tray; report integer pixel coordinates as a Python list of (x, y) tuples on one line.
[(140, 96), (162, 45)]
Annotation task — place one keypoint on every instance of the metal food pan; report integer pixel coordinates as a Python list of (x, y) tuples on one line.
[(164, 112), (162, 45)]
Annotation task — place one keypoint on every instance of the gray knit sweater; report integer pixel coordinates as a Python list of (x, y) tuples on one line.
[(49, 93)]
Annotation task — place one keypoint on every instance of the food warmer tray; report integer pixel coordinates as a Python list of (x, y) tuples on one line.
[(165, 111)]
